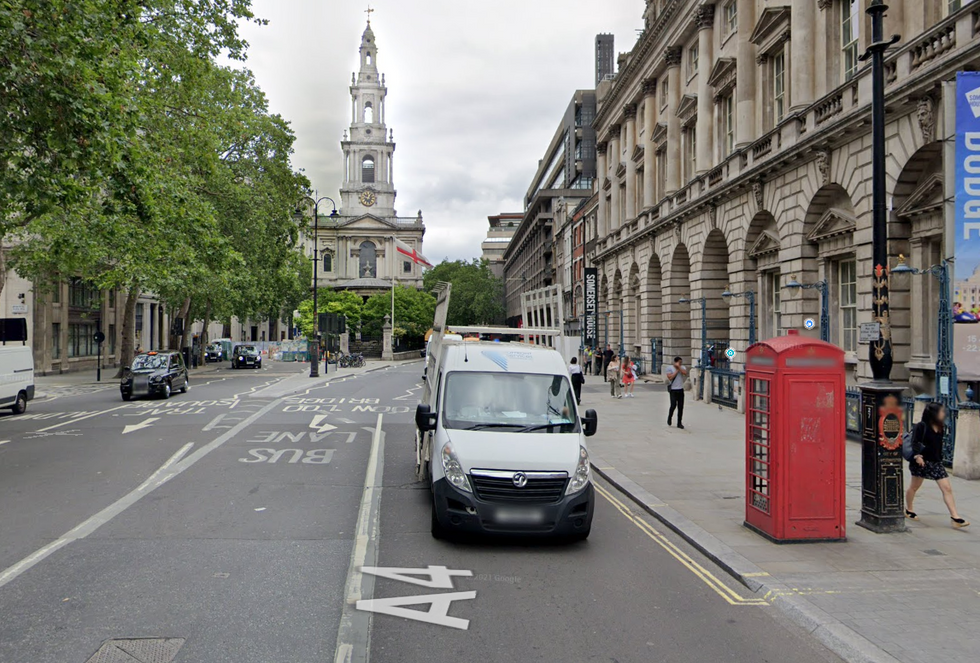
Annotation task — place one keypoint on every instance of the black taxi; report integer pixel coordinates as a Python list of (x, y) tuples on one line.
[(154, 374)]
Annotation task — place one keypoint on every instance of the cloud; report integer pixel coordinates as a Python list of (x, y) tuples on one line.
[(475, 94)]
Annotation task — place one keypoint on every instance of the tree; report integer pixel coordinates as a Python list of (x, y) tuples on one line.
[(343, 302), (477, 295), (414, 312)]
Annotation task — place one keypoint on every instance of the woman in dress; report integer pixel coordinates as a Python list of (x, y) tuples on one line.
[(927, 462), (629, 376), (612, 374)]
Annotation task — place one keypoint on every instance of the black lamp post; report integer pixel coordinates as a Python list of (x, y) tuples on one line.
[(824, 289), (882, 478), (315, 349), (749, 295), (703, 360)]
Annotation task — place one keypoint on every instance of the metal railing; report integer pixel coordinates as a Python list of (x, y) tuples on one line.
[(656, 356), (853, 412), (724, 387)]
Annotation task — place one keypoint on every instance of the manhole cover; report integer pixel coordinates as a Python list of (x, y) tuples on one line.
[(143, 650), (934, 552)]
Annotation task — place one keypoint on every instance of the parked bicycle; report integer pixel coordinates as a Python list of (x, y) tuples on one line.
[(351, 361)]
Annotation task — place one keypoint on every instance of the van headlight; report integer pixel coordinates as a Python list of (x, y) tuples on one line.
[(583, 472), (454, 470)]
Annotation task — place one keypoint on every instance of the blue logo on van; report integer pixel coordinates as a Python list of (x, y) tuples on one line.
[(496, 357)]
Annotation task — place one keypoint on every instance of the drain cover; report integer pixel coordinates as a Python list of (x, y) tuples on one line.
[(141, 650), (934, 552)]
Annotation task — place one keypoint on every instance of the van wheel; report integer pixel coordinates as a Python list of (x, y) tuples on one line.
[(127, 397), (438, 531), (20, 405)]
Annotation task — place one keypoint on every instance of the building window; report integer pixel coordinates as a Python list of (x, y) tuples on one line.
[(368, 261), (692, 60), (327, 262), (56, 294), (82, 294), (661, 174), (368, 113), (111, 339), (779, 86), (728, 121), (663, 92), (692, 152), (773, 304), (956, 5), (850, 28), (367, 170), (407, 266), (56, 340), (847, 304), (81, 340), (731, 17)]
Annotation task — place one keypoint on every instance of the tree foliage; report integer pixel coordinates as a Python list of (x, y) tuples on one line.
[(343, 302), (477, 295), (414, 312)]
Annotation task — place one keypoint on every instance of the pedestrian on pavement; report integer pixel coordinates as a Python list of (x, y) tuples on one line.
[(612, 374), (598, 361), (587, 361), (676, 373), (629, 376), (607, 356), (578, 379), (927, 461)]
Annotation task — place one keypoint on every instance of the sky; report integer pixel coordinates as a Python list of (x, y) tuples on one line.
[(476, 91)]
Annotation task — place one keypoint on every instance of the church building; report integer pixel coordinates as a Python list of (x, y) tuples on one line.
[(358, 250)]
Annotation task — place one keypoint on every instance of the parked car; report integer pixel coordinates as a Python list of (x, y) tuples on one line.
[(214, 352), (246, 356), (154, 374), (16, 365)]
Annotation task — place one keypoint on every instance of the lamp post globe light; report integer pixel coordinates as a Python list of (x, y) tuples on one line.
[(750, 296), (315, 342), (882, 474), (824, 289), (946, 391), (703, 359)]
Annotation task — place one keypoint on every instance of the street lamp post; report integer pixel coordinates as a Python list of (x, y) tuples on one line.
[(750, 296), (824, 289), (946, 391), (315, 350), (703, 359), (882, 478)]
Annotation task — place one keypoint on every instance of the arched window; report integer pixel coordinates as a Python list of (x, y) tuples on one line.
[(367, 169), (368, 265), (368, 59), (327, 261), (368, 113)]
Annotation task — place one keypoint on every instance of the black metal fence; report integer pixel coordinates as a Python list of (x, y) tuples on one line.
[(656, 356), (724, 387)]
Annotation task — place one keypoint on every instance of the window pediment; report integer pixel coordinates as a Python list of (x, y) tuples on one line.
[(772, 28), (659, 136), (688, 108), (767, 244), (637, 155), (722, 77), (621, 170), (927, 198), (833, 223)]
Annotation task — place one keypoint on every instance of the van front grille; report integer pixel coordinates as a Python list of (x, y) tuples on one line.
[(496, 486)]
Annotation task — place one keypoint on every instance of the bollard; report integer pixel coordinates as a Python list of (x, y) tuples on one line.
[(966, 457)]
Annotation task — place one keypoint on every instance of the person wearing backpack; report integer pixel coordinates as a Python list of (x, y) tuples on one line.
[(923, 449)]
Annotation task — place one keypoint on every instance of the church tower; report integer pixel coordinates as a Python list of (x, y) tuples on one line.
[(368, 176)]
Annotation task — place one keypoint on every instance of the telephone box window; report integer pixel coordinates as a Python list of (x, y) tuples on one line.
[(759, 394)]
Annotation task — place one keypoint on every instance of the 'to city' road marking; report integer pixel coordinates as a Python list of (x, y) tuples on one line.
[(704, 574)]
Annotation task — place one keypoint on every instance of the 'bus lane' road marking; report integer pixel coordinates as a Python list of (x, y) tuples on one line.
[(704, 574), (77, 419)]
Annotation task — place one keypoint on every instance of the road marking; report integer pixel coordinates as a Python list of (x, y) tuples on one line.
[(4, 441), (77, 419), (214, 423), (354, 632), (88, 526), (173, 459), (146, 423), (704, 574), (321, 425)]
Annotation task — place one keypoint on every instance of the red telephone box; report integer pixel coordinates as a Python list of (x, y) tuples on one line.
[(794, 439)]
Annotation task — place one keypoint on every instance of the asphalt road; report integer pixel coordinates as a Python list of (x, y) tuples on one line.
[(222, 523)]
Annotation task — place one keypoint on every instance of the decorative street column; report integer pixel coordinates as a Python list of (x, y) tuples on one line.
[(672, 58), (882, 495), (629, 111), (705, 19), (386, 352), (745, 124), (649, 154), (602, 225)]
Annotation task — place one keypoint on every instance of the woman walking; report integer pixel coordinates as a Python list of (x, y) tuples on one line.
[(612, 374), (927, 462), (578, 379), (629, 376)]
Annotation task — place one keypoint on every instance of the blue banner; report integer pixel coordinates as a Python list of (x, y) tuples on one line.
[(966, 270)]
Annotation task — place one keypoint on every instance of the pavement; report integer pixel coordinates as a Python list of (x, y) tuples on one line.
[(911, 597), (234, 524)]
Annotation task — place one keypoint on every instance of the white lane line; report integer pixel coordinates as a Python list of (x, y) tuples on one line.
[(77, 419), (213, 423), (4, 441), (354, 633), (164, 474), (173, 459)]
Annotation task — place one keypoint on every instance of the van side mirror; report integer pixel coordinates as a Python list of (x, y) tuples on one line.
[(425, 419), (590, 423)]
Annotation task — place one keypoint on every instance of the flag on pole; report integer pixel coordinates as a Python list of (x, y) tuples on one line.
[(410, 253)]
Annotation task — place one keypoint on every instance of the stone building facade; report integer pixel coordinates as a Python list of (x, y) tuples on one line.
[(734, 148), (501, 231)]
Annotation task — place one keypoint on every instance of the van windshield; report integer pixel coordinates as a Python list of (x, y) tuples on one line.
[(510, 402)]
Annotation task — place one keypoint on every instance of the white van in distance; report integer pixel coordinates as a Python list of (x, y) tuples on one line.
[(16, 366), (502, 444)]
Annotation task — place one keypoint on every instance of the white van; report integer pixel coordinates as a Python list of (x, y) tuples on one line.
[(16, 377), (502, 444)]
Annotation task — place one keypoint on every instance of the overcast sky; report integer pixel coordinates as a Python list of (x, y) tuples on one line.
[(475, 92)]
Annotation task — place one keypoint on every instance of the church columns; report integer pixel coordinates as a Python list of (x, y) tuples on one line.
[(705, 19), (672, 57), (649, 154), (630, 212), (745, 123), (802, 22)]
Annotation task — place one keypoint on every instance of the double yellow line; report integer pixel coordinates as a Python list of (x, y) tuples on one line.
[(704, 574)]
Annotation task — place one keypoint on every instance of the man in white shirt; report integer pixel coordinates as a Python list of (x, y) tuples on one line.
[(676, 373)]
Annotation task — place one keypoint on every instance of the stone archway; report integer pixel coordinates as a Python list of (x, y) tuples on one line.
[(713, 279), (616, 306), (761, 272), (678, 316), (653, 307), (632, 313)]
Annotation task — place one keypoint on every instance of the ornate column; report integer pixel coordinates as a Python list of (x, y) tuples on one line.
[(602, 222), (629, 111), (649, 155), (614, 159), (705, 20), (746, 130), (800, 61), (672, 58)]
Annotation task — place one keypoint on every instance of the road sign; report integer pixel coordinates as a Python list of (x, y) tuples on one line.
[(98, 337), (869, 333)]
